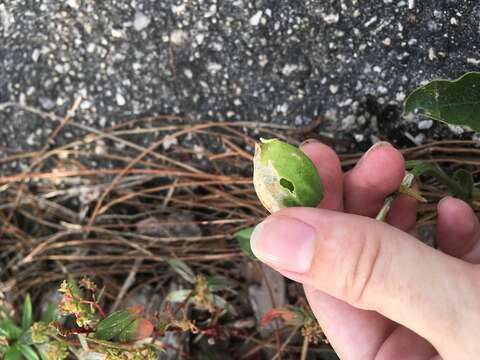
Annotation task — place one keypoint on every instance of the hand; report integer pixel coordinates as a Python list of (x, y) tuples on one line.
[(378, 292)]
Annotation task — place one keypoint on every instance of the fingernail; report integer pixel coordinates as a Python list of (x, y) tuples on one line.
[(284, 243), (443, 200), (309, 141), (373, 147)]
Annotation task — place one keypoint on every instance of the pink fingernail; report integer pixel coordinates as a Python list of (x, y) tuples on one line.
[(309, 141), (284, 243), (373, 147), (443, 200)]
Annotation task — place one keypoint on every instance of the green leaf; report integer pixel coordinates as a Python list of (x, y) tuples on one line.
[(4, 333), (42, 353), (243, 238), (11, 330), (455, 102), (13, 353), (460, 186), (28, 352), (128, 333), (50, 314), (284, 176), (217, 282), (27, 313), (113, 326), (183, 270)]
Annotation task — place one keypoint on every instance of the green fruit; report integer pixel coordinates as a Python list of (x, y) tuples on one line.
[(284, 176)]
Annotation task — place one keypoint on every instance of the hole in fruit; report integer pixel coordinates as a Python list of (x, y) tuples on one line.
[(287, 185)]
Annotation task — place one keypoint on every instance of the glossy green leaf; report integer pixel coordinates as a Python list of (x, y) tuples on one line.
[(128, 333), (123, 326), (28, 352), (243, 238), (455, 102), (113, 326), (284, 176), (27, 313)]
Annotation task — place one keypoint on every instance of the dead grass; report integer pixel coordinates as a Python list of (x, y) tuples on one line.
[(106, 206)]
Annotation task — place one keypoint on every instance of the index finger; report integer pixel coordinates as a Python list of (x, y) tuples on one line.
[(330, 171)]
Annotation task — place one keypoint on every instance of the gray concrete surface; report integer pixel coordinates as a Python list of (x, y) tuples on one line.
[(285, 61)]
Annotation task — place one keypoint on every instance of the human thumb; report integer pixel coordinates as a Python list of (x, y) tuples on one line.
[(374, 266)]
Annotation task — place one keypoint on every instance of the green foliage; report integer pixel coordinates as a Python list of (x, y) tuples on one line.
[(121, 326), (218, 282), (73, 303), (455, 102), (28, 352), (13, 353), (47, 340), (15, 340), (27, 313), (8, 329), (202, 292), (50, 314), (461, 185)]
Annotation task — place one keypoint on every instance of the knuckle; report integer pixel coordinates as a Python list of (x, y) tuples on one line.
[(362, 269)]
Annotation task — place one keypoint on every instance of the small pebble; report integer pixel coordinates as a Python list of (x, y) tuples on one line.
[(140, 21), (425, 124), (255, 19), (120, 99)]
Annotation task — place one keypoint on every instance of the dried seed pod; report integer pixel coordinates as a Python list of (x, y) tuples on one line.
[(284, 176)]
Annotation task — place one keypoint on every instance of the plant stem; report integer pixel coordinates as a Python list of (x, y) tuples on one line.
[(382, 214), (285, 344), (405, 188), (304, 348)]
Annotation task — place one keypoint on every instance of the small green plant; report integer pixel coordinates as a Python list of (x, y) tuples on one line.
[(16, 338), (80, 326), (114, 336), (28, 339), (203, 292)]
